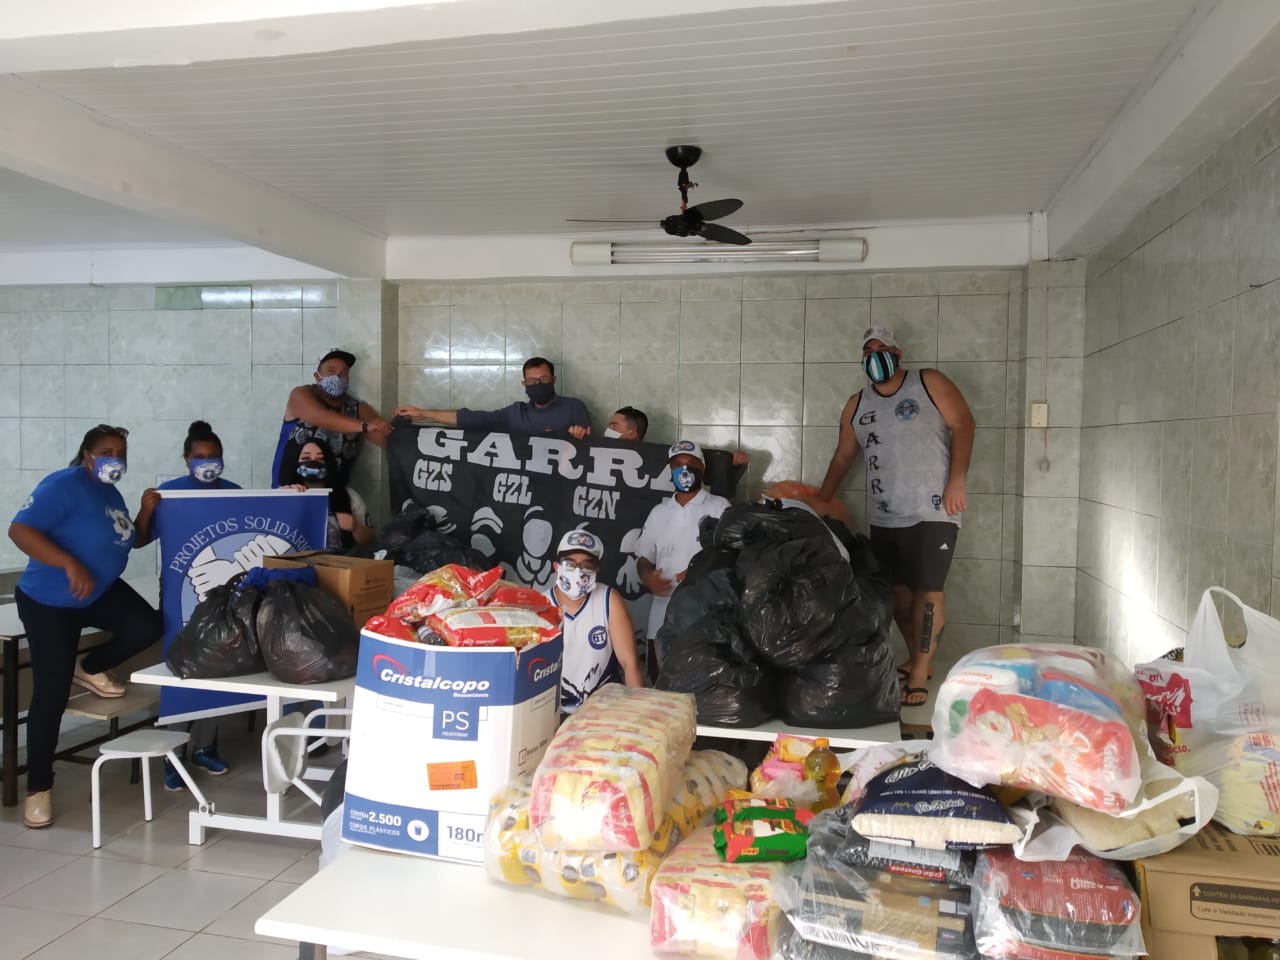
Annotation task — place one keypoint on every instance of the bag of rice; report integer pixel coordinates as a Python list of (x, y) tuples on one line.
[(493, 626)]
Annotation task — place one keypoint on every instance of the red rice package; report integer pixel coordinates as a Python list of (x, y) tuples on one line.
[(493, 626), (508, 594), (440, 589), (1078, 909)]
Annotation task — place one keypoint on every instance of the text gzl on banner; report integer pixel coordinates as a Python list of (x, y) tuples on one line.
[(513, 496), (206, 538)]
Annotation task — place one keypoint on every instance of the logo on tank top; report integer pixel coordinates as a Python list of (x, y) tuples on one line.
[(906, 409), (936, 501), (598, 638)]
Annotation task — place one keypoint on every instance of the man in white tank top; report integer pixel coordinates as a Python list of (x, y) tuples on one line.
[(917, 434), (599, 641)]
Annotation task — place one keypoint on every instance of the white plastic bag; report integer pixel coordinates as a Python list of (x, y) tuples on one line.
[(1217, 714)]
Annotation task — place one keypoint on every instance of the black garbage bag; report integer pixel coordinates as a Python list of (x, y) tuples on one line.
[(398, 532), (855, 686), (744, 523), (431, 550), (729, 691), (705, 590), (306, 635), (220, 639)]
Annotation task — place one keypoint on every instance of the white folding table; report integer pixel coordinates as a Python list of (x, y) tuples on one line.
[(277, 694), (839, 739), (402, 906)]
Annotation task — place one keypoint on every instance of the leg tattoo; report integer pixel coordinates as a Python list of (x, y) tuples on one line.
[(926, 629)]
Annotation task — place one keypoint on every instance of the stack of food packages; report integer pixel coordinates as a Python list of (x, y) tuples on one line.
[(459, 607)]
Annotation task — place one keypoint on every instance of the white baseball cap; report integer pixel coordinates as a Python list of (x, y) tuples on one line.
[(883, 334), (581, 541), (685, 446)]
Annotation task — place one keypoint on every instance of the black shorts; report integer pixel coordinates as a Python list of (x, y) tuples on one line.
[(917, 557)]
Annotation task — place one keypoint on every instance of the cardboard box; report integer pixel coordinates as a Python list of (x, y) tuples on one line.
[(1217, 884), (365, 587), (435, 732)]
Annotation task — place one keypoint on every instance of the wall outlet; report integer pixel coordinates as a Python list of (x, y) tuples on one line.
[(1039, 415)]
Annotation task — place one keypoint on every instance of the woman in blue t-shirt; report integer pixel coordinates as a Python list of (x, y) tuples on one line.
[(202, 450), (76, 529)]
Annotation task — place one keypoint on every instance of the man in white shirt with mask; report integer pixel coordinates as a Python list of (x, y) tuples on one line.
[(599, 641), (669, 538)]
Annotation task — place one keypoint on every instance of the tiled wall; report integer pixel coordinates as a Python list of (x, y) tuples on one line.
[(764, 363), (1178, 481), (153, 359)]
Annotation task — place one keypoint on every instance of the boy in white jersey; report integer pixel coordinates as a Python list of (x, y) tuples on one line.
[(599, 641), (917, 434)]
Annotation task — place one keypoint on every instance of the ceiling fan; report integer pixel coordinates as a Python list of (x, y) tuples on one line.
[(692, 221)]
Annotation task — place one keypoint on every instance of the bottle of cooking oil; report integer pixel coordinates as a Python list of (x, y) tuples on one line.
[(823, 768)]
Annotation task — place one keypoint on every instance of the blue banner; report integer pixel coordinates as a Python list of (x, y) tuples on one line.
[(206, 538)]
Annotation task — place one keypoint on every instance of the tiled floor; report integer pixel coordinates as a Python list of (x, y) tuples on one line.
[(147, 894)]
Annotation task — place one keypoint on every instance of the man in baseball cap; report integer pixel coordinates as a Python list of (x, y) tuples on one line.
[(599, 641), (669, 538), (327, 412), (917, 434)]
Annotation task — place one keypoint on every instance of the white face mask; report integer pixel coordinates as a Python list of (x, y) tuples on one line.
[(612, 434), (575, 582)]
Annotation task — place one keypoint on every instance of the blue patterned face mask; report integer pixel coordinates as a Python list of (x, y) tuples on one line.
[(109, 469), (333, 385), (207, 471), (684, 479), (312, 470), (880, 366)]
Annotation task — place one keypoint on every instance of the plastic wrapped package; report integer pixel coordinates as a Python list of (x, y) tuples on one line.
[(495, 626), (1249, 784), (220, 639), (305, 634), (791, 946), (446, 587), (707, 908), (1082, 907), (1062, 720), (831, 837), (869, 911), (611, 768), (514, 855)]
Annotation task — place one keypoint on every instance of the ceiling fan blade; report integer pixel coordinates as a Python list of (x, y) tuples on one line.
[(580, 220), (715, 232), (715, 209)]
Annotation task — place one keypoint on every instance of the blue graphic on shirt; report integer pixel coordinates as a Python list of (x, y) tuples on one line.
[(906, 410)]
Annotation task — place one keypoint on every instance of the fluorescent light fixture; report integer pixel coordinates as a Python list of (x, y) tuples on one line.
[(597, 253)]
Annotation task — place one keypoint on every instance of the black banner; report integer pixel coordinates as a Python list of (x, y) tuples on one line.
[(513, 496)]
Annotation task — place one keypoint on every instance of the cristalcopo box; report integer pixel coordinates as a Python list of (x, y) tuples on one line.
[(435, 732)]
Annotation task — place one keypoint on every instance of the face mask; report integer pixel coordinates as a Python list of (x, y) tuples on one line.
[(685, 479), (540, 393), (612, 434), (574, 582), (333, 385), (312, 470), (109, 469), (880, 366), (207, 471)]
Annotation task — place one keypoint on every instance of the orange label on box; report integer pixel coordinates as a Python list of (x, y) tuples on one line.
[(459, 775)]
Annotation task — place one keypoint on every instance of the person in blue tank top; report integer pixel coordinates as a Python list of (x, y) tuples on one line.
[(202, 452), (77, 532), (916, 432)]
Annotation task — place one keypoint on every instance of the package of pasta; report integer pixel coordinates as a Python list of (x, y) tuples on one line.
[(1062, 720), (760, 829), (609, 772), (494, 626), (870, 912), (449, 586), (513, 853), (1078, 909), (704, 907)]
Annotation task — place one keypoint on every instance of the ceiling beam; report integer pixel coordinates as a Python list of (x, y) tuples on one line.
[(91, 34), (55, 141), (1219, 73)]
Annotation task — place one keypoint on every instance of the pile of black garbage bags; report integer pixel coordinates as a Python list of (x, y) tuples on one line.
[(414, 539), (772, 620)]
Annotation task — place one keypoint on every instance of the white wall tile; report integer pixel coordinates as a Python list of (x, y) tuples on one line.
[(772, 331), (478, 333), (772, 394), (1251, 480), (653, 388), (775, 453), (709, 393), (1049, 530), (841, 286), (827, 388), (646, 289), (973, 328), (650, 332), (914, 321), (424, 333), (591, 332), (1048, 600), (710, 288), (277, 335), (833, 330), (711, 331), (1256, 346), (907, 284), (982, 384), (980, 535)]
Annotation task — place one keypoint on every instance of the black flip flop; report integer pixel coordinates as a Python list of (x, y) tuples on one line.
[(909, 692)]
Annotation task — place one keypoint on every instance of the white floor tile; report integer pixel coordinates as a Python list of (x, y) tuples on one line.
[(161, 843), (84, 887), (72, 831), (203, 946), (302, 871), (109, 940), (239, 921), (26, 931), (19, 867), (244, 856), (183, 899)]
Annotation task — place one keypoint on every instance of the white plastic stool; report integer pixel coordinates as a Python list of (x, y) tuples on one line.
[(141, 745)]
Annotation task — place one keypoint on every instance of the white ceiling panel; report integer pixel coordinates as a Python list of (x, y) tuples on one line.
[(853, 111)]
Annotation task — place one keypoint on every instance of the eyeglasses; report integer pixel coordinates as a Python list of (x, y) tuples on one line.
[(534, 381), (570, 566)]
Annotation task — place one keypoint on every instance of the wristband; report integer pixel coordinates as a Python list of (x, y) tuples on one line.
[(364, 426)]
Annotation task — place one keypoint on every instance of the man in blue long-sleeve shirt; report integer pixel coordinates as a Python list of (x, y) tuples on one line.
[(545, 411)]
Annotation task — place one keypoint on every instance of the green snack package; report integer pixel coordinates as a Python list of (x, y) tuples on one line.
[(756, 829)]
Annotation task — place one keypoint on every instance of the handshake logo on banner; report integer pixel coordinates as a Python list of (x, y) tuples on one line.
[(208, 570)]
